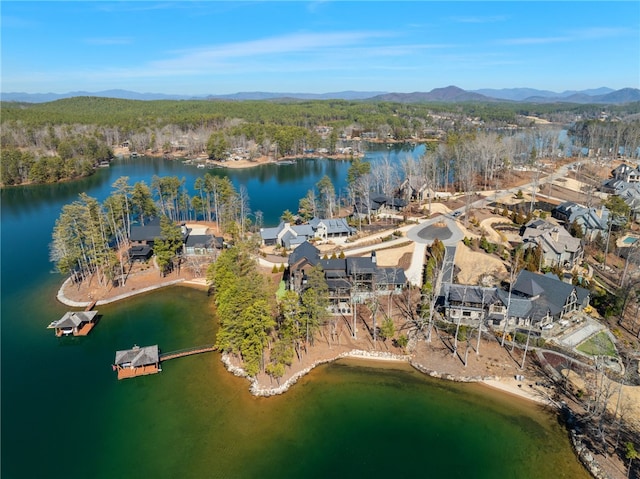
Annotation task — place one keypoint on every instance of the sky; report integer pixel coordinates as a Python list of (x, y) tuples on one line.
[(209, 47)]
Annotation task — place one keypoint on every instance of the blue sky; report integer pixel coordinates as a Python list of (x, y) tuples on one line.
[(316, 47)]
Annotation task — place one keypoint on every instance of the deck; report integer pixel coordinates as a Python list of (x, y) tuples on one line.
[(126, 373), (82, 331)]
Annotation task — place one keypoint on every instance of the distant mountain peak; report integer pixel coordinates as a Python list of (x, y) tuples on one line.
[(449, 93)]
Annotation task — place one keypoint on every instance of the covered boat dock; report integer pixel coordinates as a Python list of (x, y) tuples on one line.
[(76, 323), (137, 361)]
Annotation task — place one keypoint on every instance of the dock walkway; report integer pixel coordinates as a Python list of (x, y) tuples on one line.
[(187, 352)]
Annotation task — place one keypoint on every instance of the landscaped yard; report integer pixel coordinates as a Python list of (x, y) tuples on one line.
[(598, 345)]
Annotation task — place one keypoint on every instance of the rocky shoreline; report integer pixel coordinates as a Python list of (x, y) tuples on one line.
[(258, 390), (582, 452)]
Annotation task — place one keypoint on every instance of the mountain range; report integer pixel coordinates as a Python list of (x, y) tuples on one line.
[(453, 94)]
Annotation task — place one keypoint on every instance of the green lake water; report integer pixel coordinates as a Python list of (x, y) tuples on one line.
[(64, 414)]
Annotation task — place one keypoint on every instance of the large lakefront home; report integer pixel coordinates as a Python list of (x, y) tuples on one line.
[(378, 205), (348, 279), (535, 300), (142, 238), (290, 236)]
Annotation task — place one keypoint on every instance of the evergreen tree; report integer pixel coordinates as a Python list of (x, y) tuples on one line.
[(168, 245)]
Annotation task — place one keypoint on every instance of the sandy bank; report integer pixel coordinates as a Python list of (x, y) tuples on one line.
[(508, 385)]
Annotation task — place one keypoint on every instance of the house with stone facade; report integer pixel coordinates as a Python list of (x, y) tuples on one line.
[(348, 279), (535, 300)]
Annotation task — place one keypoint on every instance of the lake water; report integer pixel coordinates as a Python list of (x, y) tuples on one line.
[(64, 414)]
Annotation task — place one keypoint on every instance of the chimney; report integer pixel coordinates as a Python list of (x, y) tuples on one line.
[(373, 257), (556, 234)]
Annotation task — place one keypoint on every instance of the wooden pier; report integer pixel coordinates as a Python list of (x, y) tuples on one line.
[(187, 352)]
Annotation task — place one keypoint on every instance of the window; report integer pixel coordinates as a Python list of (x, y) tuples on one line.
[(466, 313)]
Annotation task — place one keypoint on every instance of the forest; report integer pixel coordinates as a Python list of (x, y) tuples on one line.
[(66, 139)]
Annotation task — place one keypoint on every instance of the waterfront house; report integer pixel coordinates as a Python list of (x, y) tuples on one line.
[(421, 192), (535, 300), (302, 258), (558, 246), (378, 205), (355, 278), (137, 361), (148, 233), (290, 236), (197, 245), (74, 323), (140, 252)]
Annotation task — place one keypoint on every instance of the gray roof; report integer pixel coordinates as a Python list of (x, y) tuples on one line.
[(518, 307), (589, 218), (553, 292), (391, 276), (138, 356), (150, 232), (470, 294), (339, 264), (204, 241), (305, 250), (73, 319), (334, 225), (360, 265), (271, 233)]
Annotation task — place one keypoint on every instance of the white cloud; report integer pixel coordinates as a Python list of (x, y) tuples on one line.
[(593, 33)]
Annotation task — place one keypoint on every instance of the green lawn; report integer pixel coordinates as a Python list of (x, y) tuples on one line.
[(598, 345)]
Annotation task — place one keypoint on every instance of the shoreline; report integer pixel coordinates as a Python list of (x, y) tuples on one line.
[(506, 384), (498, 383), (197, 283)]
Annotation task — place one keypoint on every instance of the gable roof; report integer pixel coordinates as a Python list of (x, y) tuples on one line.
[(73, 319), (551, 237), (390, 276), (305, 250), (204, 241), (552, 292), (333, 225), (151, 231), (138, 356), (360, 265)]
